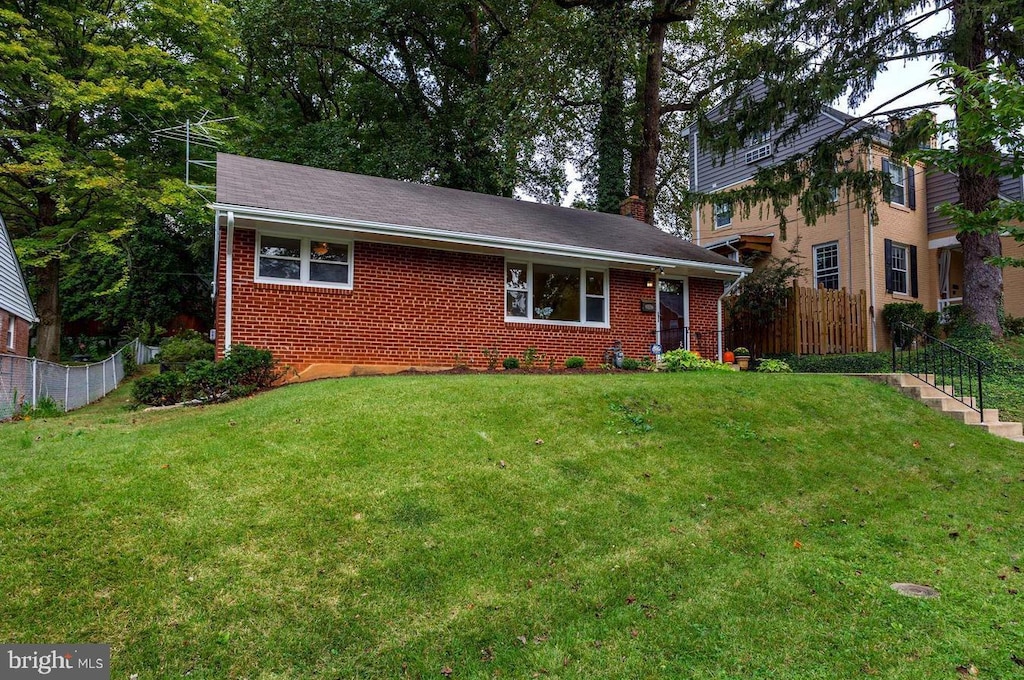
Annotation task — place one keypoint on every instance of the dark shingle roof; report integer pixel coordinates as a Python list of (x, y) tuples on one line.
[(343, 196)]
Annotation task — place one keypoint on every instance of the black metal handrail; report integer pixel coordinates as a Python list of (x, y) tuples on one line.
[(954, 372)]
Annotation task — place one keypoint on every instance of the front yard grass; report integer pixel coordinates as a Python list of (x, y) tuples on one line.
[(589, 526)]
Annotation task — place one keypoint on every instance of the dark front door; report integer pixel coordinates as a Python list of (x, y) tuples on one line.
[(672, 332)]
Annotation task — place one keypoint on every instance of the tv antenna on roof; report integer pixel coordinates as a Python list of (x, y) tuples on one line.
[(205, 133)]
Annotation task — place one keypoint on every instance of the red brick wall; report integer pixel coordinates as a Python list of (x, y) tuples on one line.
[(416, 306), (704, 294), (21, 329)]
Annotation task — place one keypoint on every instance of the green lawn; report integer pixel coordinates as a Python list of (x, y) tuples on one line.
[(575, 526)]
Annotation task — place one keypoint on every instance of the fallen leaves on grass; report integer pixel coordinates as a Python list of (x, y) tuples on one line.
[(967, 671)]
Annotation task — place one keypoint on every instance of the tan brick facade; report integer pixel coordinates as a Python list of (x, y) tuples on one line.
[(860, 243), (21, 333), (413, 306)]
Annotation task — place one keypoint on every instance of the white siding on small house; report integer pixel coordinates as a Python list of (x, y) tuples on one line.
[(13, 293)]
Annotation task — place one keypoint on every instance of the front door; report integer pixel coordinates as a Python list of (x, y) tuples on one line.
[(672, 331)]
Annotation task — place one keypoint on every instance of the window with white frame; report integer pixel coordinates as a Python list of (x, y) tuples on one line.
[(758, 147), (543, 292), (10, 331), (898, 179), (723, 215), (899, 262), (286, 259), (826, 265)]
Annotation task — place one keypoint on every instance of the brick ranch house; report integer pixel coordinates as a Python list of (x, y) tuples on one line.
[(341, 274), (16, 311)]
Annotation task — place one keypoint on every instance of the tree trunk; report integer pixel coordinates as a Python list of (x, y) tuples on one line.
[(48, 309), (983, 282), (650, 148), (611, 124)]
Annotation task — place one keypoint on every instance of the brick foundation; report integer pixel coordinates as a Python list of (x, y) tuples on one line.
[(422, 307)]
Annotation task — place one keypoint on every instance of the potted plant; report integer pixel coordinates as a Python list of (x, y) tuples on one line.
[(742, 357)]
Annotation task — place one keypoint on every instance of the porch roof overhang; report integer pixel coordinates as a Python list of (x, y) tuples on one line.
[(427, 237), (745, 244)]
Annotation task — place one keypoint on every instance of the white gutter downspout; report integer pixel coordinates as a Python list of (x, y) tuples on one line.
[(216, 252), (728, 291), (699, 209), (871, 262), (228, 276)]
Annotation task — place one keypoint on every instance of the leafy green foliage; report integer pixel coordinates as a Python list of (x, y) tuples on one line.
[(162, 389), (510, 363), (684, 360), (763, 294), (575, 362), (630, 364), (185, 347), (868, 362), (773, 366), (243, 371), (83, 89), (910, 313)]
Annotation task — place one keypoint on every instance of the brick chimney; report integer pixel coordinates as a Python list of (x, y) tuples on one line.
[(634, 207)]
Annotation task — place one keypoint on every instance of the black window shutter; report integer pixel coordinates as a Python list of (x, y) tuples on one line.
[(911, 192), (886, 189), (913, 271), (888, 265)]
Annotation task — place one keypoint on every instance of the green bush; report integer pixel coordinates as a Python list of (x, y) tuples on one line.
[(510, 363), (1013, 325), (868, 362), (910, 313), (630, 364), (244, 370), (773, 366), (128, 361), (185, 347), (575, 362), (162, 389), (677, 360)]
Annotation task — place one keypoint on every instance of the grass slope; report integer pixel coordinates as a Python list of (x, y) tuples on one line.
[(685, 525)]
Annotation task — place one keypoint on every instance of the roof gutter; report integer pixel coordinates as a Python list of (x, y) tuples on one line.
[(441, 235), (728, 291)]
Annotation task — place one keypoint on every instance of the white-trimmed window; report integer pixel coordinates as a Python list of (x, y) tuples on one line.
[(552, 293), (723, 215), (826, 265), (287, 259), (10, 331), (898, 178), (758, 147), (899, 262)]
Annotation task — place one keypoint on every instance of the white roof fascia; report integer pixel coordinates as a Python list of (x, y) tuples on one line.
[(461, 238)]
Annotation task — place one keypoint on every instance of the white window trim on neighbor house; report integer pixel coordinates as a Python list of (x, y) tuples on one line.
[(826, 264), (758, 148), (898, 178), (516, 290), (306, 259), (723, 215), (900, 277), (10, 331)]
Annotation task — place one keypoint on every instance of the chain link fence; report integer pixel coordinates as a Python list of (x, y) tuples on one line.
[(25, 382)]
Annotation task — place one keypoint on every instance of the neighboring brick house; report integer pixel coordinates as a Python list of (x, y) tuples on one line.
[(339, 273), (906, 254), (16, 311)]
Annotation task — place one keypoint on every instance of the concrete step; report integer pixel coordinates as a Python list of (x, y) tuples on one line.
[(1005, 430), (938, 400)]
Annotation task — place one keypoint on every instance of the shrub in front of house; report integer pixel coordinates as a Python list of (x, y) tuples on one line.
[(630, 364), (910, 313), (867, 362), (575, 362), (179, 351), (245, 370), (510, 363), (773, 366), (677, 360)]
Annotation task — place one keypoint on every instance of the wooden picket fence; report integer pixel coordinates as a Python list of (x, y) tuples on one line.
[(815, 321)]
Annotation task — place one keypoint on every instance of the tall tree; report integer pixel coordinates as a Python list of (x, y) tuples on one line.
[(82, 85), (814, 52), (412, 89)]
